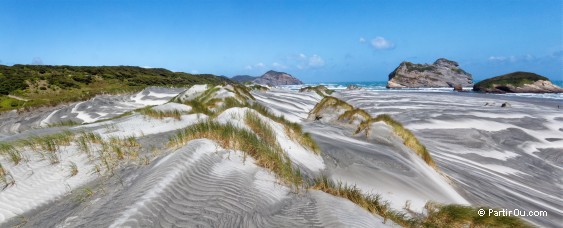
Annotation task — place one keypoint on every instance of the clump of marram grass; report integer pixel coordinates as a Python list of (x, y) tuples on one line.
[(12, 152), (293, 130), (434, 215), (6, 178), (351, 115), (372, 203), (242, 92), (267, 155), (49, 143), (205, 103), (258, 87), (454, 215), (321, 90), (64, 123), (157, 114), (328, 102), (407, 136), (199, 107), (261, 128), (73, 169)]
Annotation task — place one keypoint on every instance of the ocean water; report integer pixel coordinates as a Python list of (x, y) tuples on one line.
[(380, 86)]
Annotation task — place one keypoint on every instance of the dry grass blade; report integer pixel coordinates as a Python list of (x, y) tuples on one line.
[(266, 155)]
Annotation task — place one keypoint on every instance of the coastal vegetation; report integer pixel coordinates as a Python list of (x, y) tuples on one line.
[(321, 90), (516, 79), (434, 214), (258, 141), (258, 87), (27, 86), (159, 114), (206, 103), (350, 114), (266, 151), (517, 82), (106, 154)]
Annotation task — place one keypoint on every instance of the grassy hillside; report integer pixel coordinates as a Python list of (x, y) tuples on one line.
[(25, 86), (515, 79)]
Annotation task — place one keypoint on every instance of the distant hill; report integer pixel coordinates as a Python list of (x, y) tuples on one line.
[(39, 85), (269, 78), (243, 78)]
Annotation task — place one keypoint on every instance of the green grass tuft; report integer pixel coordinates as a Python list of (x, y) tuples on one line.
[(64, 123), (321, 90), (73, 169), (258, 87), (267, 155), (352, 115), (328, 102), (12, 152), (408, 137), (293, 130), (6, 178), (435, 215), (149, 111), (453, 215), (372, 203)]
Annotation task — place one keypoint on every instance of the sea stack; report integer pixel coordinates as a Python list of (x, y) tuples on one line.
[(442, 73), (517, 82)]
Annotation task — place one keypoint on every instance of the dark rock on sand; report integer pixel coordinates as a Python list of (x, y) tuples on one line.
[(517, 82), (442, 73)]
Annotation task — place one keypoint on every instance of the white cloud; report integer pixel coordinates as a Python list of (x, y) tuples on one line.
[(362, 40), (278, 65), (316, 61), (297, 61), (497, 58), (302, 61), (259, 65), (512, 58), (381, 43)]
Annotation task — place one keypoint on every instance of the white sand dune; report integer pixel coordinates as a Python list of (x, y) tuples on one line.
[(497, 156), (37, 182), (508, 158)]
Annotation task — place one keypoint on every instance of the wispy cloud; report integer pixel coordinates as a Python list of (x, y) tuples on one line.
[(259, 65), (362, 40), (303, 61), (278, 66), (381, 43), (299, 61), (316, 61), (512, 58)]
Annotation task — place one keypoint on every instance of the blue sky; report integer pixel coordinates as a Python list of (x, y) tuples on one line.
[(317, 41)]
